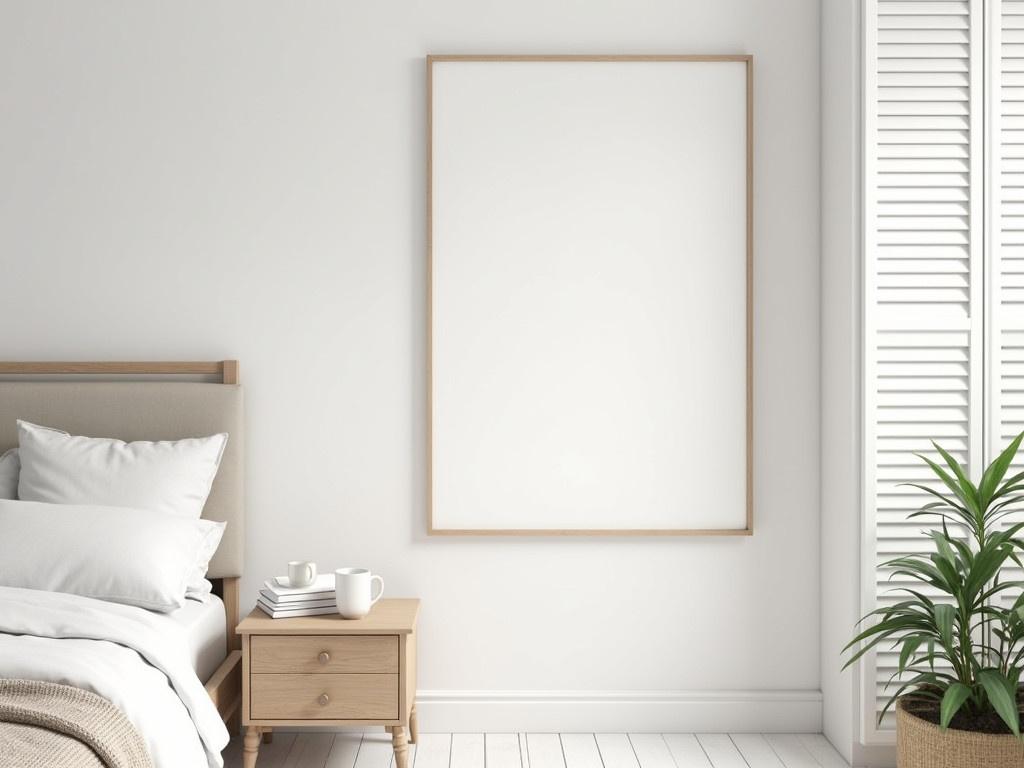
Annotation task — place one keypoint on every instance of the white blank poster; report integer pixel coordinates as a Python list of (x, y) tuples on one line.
[(589, 308)]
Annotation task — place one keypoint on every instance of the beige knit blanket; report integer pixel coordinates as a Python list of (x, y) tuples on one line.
[(46, 725)]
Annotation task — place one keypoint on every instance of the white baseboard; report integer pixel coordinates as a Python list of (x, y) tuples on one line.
[(618, 711)]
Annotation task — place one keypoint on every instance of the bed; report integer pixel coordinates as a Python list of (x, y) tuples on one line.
[(195, 647)]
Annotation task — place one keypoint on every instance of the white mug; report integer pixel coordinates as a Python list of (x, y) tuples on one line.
[(301, 573), (353, 588)]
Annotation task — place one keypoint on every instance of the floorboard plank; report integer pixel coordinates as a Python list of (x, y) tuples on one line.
[(272, 755), (616, 751), (686, 750), (580, 751), (545, 750), (823, 751), (791, 750), (651, 750), (721, 752), (343, 752), (318, 746), (501, 750), (375, 751), (434, 750), (756, 751), (293, 755), (524, 750), (467, 750)]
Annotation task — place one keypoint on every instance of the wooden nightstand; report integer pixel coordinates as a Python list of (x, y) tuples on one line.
[(326, 670)]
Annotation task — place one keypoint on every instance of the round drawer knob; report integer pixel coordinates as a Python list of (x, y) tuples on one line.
[(324, 657), (324, 698)]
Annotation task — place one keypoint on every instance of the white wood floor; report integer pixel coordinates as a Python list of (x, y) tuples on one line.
[(546, 750)]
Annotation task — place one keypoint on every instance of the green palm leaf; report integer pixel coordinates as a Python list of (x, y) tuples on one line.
[(992, 476), (952, 700), (970, 493), (997, 688)]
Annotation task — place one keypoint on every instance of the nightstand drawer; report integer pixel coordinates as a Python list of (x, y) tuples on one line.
[(320, 654), (324, 697)]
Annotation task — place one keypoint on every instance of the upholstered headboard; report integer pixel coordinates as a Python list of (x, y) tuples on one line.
[(153, 409)]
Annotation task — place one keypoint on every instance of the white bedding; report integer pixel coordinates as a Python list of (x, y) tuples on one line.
[(205, 629), (137, 660)]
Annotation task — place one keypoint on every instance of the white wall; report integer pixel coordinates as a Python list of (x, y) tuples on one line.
[(199, 180), (840, 362), (841, 375)]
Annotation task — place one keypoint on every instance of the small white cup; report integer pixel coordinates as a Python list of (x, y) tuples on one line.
[(353, 588), (301, 573)]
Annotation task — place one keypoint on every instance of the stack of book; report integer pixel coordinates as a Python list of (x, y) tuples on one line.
[(280, 601)]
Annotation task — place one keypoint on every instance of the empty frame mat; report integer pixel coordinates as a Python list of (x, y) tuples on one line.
[(590, 295)]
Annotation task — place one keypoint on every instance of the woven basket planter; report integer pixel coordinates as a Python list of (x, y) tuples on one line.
[(921, 744)]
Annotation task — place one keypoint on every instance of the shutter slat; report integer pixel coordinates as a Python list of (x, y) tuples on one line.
[(924, 209), (917, 8), (921, 194), (922, 266), (922, 35), (896, 223), (923, 50), (923, 80), (926, 122), (927, 151), (918, 385), (929, 108), (917, 22), (914, 93), (923, 237), (922, 165), (928, 181), (901, 137), (920, 66)]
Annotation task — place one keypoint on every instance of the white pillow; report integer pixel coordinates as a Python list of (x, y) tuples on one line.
[(9, 469), (109, 553), (199, 587), (167, 476)]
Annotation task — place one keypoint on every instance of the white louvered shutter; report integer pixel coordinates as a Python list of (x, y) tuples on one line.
[(1005, 233), (923, 277)]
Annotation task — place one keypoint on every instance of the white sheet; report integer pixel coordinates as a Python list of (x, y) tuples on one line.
[(205, 628), (125, 654)]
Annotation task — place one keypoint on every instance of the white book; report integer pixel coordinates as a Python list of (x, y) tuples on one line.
[(277, 613), (282, 599), (278, 585), (315, 600)]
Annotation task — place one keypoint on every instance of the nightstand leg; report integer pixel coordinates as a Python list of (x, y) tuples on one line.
[(401, 747), (250, 746), (414, 727)]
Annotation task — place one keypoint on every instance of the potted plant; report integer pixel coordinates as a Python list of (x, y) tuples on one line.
[(960, 633)]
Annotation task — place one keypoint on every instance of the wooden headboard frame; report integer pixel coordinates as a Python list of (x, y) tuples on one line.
[(224, 371)]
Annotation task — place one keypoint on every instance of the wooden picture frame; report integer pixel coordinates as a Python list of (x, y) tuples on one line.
[(742, 519)]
